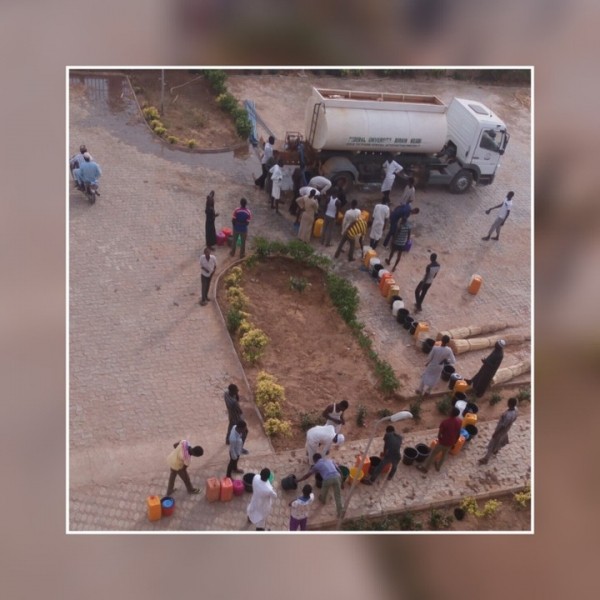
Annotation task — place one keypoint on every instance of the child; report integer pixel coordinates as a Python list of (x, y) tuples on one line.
[(300, 508)]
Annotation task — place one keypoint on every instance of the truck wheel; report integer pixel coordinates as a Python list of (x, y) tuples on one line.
[(462, 182), (344, 180)]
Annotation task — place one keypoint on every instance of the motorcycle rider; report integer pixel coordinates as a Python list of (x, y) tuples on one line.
[(88, 172), (76, 161)]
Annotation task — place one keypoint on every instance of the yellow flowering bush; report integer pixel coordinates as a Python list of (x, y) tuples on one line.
[(253, 344), (276, 427), (489, 508), (272, 410), (244, 327), (523, 498), (234, 277), (236, 298), (267, 391)]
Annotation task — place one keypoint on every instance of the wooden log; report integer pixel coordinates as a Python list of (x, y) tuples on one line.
[(471, 330), (461, 346), (507, 373)]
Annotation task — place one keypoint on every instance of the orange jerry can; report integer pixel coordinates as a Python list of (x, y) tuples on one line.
[(433, 444), (339, 217), (458, 446), (366, 465), (213, 489), (392, 293), (461, 386), (421, 328), (387, 284), (318, 228), (383, 279), (226, 489), (154, 508), (469, 419), (369, 254), (475, 284)]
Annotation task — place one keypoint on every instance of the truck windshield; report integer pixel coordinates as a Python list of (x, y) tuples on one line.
[(492, 140)]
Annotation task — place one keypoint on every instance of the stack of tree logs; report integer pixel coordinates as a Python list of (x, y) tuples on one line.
[(465, 332), (461, 346), (505, 374)]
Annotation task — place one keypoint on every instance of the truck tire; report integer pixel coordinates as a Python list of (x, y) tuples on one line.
[(462, 182), (344, 180)]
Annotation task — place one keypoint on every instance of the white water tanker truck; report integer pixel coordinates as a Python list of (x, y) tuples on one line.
[(349, 133)]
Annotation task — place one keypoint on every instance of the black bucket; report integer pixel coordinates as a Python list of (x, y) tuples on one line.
[(402, 314), (423, 451), (408, 321), (247, 479), (375, 461), (375, 271), (409, 455), (289, 483), (471, 408), (453, 379), (459, 514), (447, 372), (459, 396), (472, 431), (428, 344), (318, 480), (413, 327)]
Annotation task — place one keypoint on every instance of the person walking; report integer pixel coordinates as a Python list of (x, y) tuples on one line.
[(208, 266), (238, 435), (178, 460), (391, 168), (439, 357), (500, 436), (381, 213), (491, 363), (401, 243), (333, 205), (321, 437), (240, 220), (332, 478), (276, 178), (88, 172), (392, 442), (431, 271), (263, 494), (355, 232), (404, 209), (234, 411), (505, 208), (448, 435), (334, 414), (265, 159), (309, 206), (299, 509), (209, 223)]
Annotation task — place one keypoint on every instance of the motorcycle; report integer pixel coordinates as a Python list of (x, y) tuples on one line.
[(91, 191)]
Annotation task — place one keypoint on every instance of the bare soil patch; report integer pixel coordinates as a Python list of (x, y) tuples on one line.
[(190, 108), (313, 353)]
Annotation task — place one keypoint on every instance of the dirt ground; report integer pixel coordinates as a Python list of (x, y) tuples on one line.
[(314, 355)]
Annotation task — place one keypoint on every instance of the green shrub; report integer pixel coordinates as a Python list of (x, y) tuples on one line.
[(160, 131), (408, 523), (299, 284), (361, 415), (309, 420), (243, 126), (200, 119), (227, 102), (191, 143), (523, 498), (234, 319), (388, 382), (415, 409), (236, 298), (268, 391), (245, 326), (444, 405), (344, 296), (524, 395), (384, 412), (233, 278), (495, 398), (437, 520), (272, 410), (172, 139), (262, 247), (217, 79)]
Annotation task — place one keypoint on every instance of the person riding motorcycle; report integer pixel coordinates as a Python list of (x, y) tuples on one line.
[(76, 161), (88, 172)]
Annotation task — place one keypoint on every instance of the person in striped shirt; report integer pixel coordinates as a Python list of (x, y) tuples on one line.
[(356, 231)]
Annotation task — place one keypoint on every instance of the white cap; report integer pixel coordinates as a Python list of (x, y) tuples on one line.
[(502, 343)]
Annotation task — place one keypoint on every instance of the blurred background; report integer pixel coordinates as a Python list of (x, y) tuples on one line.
[(37, 41)]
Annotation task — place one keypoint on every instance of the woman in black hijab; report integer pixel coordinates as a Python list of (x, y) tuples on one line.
[(211, 234), (491, 363)]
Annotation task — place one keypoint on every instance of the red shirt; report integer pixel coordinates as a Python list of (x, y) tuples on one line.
[(449, 431)]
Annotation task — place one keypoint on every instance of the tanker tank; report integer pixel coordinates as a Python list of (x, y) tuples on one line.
[(344, 120)]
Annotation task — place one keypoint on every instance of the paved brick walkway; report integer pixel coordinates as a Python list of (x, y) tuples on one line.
[(149, 366)]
